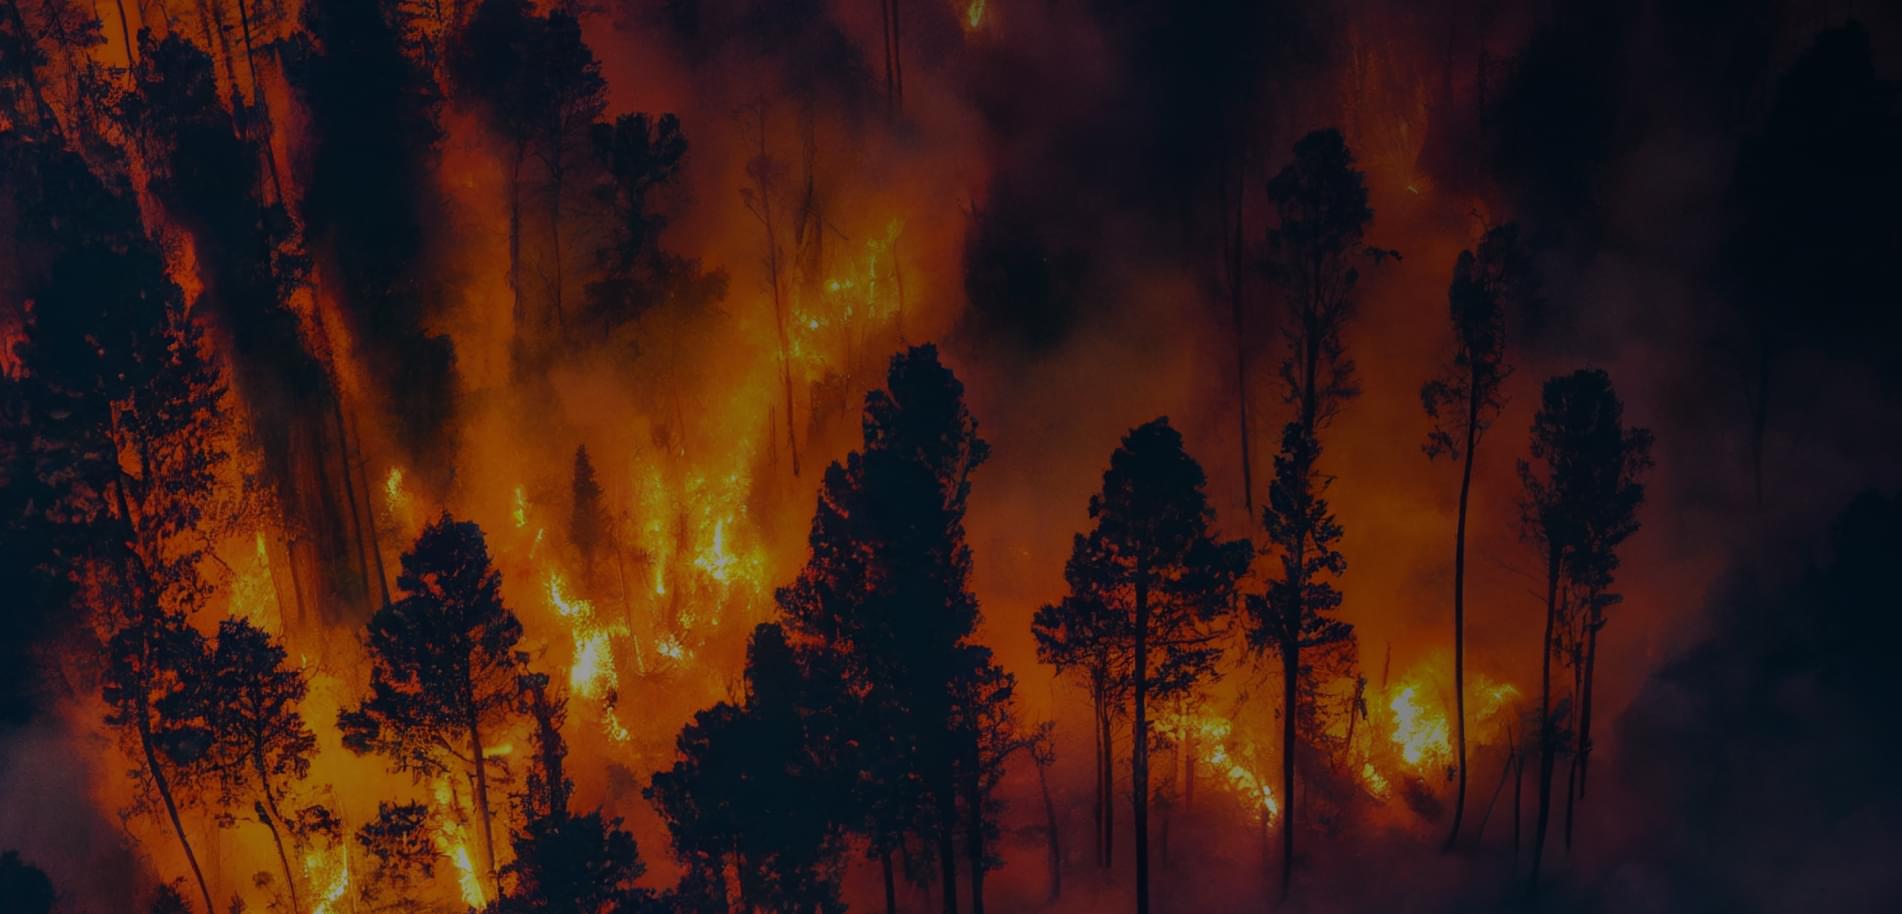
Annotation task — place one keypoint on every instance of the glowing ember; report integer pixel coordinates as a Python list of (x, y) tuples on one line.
[(519, 513)]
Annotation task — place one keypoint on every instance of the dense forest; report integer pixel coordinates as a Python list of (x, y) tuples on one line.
[(806, 455)]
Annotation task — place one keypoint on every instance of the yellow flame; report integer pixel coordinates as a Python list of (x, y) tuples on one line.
[(974, 14), (252, 589), (716, 561), (328, 874), (520, 511), (394, 498), (1375, 782), (611, 724), (1418, 730), (591, 675), (1215, 735), (452, 841)]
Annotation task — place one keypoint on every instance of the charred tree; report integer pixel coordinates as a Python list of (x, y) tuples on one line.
[(1315, 249), (1580, 497), (1462, 402)]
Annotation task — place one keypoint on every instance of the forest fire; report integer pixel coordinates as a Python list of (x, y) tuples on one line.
[(674, 457)]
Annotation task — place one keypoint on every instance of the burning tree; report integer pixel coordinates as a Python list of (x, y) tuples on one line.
[(1462, 401), (1580, 501), (1167, 582), (443, 665), (1321, 202)]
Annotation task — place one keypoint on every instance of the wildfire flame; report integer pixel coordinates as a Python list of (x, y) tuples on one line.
[(1418, 730), (592, 674), (1223, 755), (328, 874), (452, 841)]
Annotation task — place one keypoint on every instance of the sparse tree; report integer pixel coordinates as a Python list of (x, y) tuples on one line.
[(1043, 754), (1462, 402), (443, 665), (571, 96), (1079, 635), (261, 744), (766, 180), (1579, 501), (1315, 249), (1153, 559)]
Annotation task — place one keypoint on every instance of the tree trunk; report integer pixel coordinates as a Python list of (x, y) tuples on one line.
[(1236, 299), (1109, 787), (297, 582), (369, 515), (1585, 712), (271, 818), (171, 805), (1290, 676), (1096, 802), (350, 491), (32, 76), (891, 884), (1505, 771), (974, 830), (1518, 781), (779, 304), (947, 840), (1546, 736), (1139, 750), (1188, 765), (257, 101), (1050, 831), (1459, 618), (131, 58), (481, 787)]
